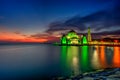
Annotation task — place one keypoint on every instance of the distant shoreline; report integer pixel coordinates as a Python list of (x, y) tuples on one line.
[(85, 45), (22, 43)]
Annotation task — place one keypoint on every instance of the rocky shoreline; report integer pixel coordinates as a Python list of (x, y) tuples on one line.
[(105, 74)]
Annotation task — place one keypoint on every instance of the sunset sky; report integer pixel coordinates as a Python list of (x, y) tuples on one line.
[(46, 20)]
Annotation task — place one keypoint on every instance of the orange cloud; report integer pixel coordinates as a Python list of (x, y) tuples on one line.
[(7, 35), (45, 36), (10, 37), (16, 36)]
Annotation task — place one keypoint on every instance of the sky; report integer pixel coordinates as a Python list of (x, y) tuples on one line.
[(46, 20)]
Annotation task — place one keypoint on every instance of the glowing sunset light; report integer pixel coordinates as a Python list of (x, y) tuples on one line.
[(12, 37), (34, 40)]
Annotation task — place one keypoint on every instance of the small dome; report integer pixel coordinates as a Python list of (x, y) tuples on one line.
[(72, 31)]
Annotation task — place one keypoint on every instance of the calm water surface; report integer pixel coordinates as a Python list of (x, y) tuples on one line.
[(43, 60)]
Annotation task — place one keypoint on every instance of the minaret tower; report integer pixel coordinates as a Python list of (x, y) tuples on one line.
[(89, 35)]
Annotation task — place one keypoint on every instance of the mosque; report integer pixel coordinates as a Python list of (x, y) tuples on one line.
[(73, 38)]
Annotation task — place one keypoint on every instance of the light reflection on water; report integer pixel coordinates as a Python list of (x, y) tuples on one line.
[(49, 60), (95, 59), (89, 58), (116, 57)]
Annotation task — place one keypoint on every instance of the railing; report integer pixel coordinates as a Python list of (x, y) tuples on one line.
[(104, 43), (94, 43)]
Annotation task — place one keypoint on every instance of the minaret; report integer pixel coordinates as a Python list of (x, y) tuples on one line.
[(89, 35)]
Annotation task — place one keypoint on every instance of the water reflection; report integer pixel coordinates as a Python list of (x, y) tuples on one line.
[(70, 60), (116, 57), (80, 59), (49, 60), (102, 57), (84, 59), (73, 59), (95, 58)]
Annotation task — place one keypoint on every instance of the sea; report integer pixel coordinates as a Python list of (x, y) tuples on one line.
[(48, 61)]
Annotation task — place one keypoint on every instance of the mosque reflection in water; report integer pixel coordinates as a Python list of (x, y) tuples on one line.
[(80, 59)]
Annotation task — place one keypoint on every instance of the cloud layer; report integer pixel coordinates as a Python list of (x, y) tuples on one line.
[(102, 22), (105, 23)]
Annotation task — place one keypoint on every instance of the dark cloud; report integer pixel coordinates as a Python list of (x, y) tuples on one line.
[(24, 35), (48, 37), (116, 32), (100, 21), (73, 23), (17, 32), (39, 35), (106, 34)]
